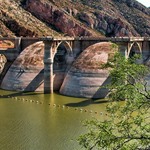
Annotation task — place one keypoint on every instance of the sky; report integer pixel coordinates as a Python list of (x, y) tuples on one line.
[(145, 2)]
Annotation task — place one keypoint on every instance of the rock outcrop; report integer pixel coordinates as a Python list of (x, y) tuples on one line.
[(20, 30), (134, 4), (87, 74), (15, 21), (111, 18), (14, 26), (56, 18), (107, 25)]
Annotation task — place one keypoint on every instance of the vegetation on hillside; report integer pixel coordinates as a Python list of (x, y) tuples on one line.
[(11, 11)]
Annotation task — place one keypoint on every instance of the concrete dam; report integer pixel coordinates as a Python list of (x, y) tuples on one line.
[(68, 65)]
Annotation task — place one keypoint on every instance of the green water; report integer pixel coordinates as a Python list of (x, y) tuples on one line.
[(26, 125)]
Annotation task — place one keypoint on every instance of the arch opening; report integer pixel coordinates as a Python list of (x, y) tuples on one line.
[(134, 49), (59, 59), (60, 64)]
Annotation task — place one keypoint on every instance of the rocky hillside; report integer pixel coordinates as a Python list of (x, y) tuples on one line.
[(37, 18)]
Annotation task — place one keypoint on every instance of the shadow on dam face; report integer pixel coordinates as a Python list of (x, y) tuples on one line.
[(102, 92), (36, 82)]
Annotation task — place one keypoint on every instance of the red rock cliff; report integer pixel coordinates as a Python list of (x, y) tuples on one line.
[(56, 18)]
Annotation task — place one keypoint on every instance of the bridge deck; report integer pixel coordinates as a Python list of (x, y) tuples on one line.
[(50, 38), (121, 39)]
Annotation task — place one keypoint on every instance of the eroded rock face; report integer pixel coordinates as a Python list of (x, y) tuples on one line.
[(107, 25), (87, 19), (55, 17), (134, 4), (15, 27), (86, 75)]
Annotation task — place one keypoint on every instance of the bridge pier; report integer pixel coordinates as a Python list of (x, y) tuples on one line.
[(48, 67)]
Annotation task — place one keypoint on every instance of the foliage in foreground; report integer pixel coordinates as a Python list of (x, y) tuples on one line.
[(128, 127)]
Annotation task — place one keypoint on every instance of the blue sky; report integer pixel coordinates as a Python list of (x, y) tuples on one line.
[(145, 2)]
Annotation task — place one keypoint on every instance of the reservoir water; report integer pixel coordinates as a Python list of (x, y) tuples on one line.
[(45, 121)]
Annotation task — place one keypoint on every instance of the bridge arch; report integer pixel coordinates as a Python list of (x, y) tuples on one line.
[(62, 60), (69, 58), (67, 45), (134, 48)]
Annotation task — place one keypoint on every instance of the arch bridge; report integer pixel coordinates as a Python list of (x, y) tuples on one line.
[(54, 51), (74, 46)]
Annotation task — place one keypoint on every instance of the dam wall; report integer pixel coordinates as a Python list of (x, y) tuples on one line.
[(46, 64)]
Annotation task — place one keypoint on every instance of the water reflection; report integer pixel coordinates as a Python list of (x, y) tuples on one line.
[(86, 103), (34, 126)]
